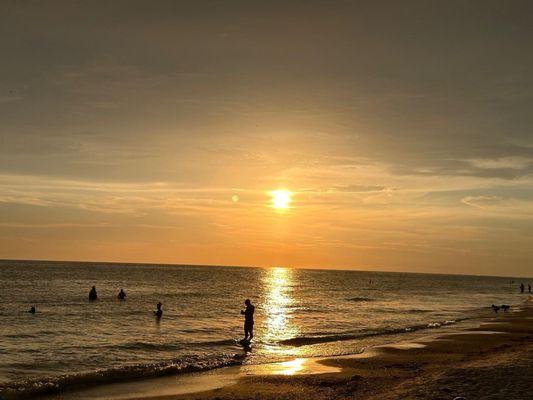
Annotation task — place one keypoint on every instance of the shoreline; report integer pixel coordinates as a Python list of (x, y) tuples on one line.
[(491, 361), (425, 366)]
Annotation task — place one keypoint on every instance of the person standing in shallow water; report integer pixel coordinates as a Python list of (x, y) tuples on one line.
[(122, 295), (92, 294), (248, 320), (529, 287), (521, 288)]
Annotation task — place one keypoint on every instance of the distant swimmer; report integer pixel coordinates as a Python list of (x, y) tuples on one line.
[(32, 310), (521, 288), (248, 320), (92, 294), (121, 295), (159, 312)]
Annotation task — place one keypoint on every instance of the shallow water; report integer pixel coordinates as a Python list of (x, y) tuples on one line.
[(299, 313)]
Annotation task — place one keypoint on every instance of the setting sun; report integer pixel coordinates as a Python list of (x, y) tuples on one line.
[(281, 198)]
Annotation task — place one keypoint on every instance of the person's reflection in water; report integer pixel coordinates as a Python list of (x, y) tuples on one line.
[(248, 320)]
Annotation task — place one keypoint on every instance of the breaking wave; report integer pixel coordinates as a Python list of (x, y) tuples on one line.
[(310, 340), (50, 385)]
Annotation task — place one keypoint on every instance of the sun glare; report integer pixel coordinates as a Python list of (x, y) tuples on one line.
[(281, 199)]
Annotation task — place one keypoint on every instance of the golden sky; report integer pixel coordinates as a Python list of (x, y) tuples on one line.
[(157, 131)]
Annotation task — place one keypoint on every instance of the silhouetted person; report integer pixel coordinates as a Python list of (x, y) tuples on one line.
[(529, 288), (521, 288), (92, 294), (32, 310), (121, 295), (248, 320), (159, 312)]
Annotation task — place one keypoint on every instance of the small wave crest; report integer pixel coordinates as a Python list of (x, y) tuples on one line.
[(439, 324), (19, 336), (147, 346), (310, 340), (358, 299), (418, 311), (51, 385), (223, 342)]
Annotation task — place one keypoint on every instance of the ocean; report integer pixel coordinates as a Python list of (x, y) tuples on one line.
[(71, 341)]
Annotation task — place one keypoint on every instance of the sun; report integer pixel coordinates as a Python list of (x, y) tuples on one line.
[(281, 199)]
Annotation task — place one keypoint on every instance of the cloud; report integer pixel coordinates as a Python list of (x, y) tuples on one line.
[(506, 163), (506, 207), (360, 188)]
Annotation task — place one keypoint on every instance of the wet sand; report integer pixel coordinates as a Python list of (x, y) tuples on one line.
[(493, 361)]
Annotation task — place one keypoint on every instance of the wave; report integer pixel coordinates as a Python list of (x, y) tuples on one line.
[(410, 311), (19, 336), (357, 299), (310, 340), (146, 346), (222, 342), (418, 311), (50, 385)]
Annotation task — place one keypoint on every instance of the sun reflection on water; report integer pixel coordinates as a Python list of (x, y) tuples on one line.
[(278, 306), (291, 367)]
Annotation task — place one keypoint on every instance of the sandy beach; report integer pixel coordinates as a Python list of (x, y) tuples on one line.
[(492, 361)]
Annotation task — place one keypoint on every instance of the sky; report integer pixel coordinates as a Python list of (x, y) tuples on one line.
[(149, 131)]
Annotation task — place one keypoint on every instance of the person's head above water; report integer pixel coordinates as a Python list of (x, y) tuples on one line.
[(92, 293), (247, 302)]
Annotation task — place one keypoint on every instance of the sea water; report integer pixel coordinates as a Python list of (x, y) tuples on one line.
[(71, 341)]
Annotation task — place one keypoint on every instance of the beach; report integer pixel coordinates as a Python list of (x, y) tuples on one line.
[(317, 334), (492, 361)]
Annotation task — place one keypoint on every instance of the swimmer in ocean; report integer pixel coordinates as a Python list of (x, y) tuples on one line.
[(92, 294), (159, 312)]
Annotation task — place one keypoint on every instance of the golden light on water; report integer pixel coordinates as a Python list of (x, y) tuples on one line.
[(291, 367), (281, 199), (298, 366), (278, 302)]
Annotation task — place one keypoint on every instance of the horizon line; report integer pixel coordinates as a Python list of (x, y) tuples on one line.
[(348, 269)]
